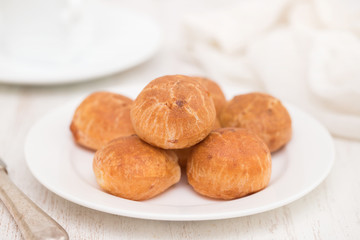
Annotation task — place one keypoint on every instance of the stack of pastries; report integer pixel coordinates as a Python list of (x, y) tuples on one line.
[(181, 122)]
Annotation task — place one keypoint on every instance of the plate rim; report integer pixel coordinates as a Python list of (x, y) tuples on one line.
[(80, 76)]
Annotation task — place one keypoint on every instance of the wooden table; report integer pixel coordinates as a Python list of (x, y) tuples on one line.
[(331, 211)]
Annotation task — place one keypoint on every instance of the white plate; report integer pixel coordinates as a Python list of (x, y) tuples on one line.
[(119, 39), (66, 169)]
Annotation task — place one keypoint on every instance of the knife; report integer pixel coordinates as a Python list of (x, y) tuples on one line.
[(33, 222)]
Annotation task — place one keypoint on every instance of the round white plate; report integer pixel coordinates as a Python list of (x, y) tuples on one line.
[(111, 40), (66, 169)]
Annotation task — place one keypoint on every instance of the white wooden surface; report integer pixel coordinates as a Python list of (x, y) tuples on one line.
[(331, 211)]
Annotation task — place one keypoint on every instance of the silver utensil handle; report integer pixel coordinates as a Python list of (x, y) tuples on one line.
[(33, 222)]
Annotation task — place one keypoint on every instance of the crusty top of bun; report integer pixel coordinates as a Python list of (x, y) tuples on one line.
[(261, 113), (130, 168), (101, 117), (173, 112), (215, 92), (229, 163)]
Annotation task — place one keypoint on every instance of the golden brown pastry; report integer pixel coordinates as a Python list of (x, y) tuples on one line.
[(262, 114), (217, 124), (173, 112), (130, 168), (183, 154), (215, 92), (230, 163), (100, 118)]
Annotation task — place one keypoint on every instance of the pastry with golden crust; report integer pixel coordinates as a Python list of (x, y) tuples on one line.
[(262, 114), (217, 124), (215, 92), (130, 168), (173, 112), (230, 163), (183, 154), (100, 118)]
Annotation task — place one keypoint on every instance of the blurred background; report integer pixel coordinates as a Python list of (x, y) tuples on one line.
[(306, 52)]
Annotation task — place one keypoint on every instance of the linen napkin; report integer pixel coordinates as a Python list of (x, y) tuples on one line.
[(306, 52)]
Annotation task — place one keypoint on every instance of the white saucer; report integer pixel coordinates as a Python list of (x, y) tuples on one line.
[(120, 40), (66, 169)]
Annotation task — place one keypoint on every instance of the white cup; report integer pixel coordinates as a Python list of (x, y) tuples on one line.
[(49, 31)]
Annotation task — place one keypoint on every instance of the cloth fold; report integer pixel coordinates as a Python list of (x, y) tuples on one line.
[(302, 51)]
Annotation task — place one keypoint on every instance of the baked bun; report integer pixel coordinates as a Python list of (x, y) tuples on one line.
[(183, 154), (130, 168), (100, 118), (215, 92), (262, 114), (173, 112), (230, 163)]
